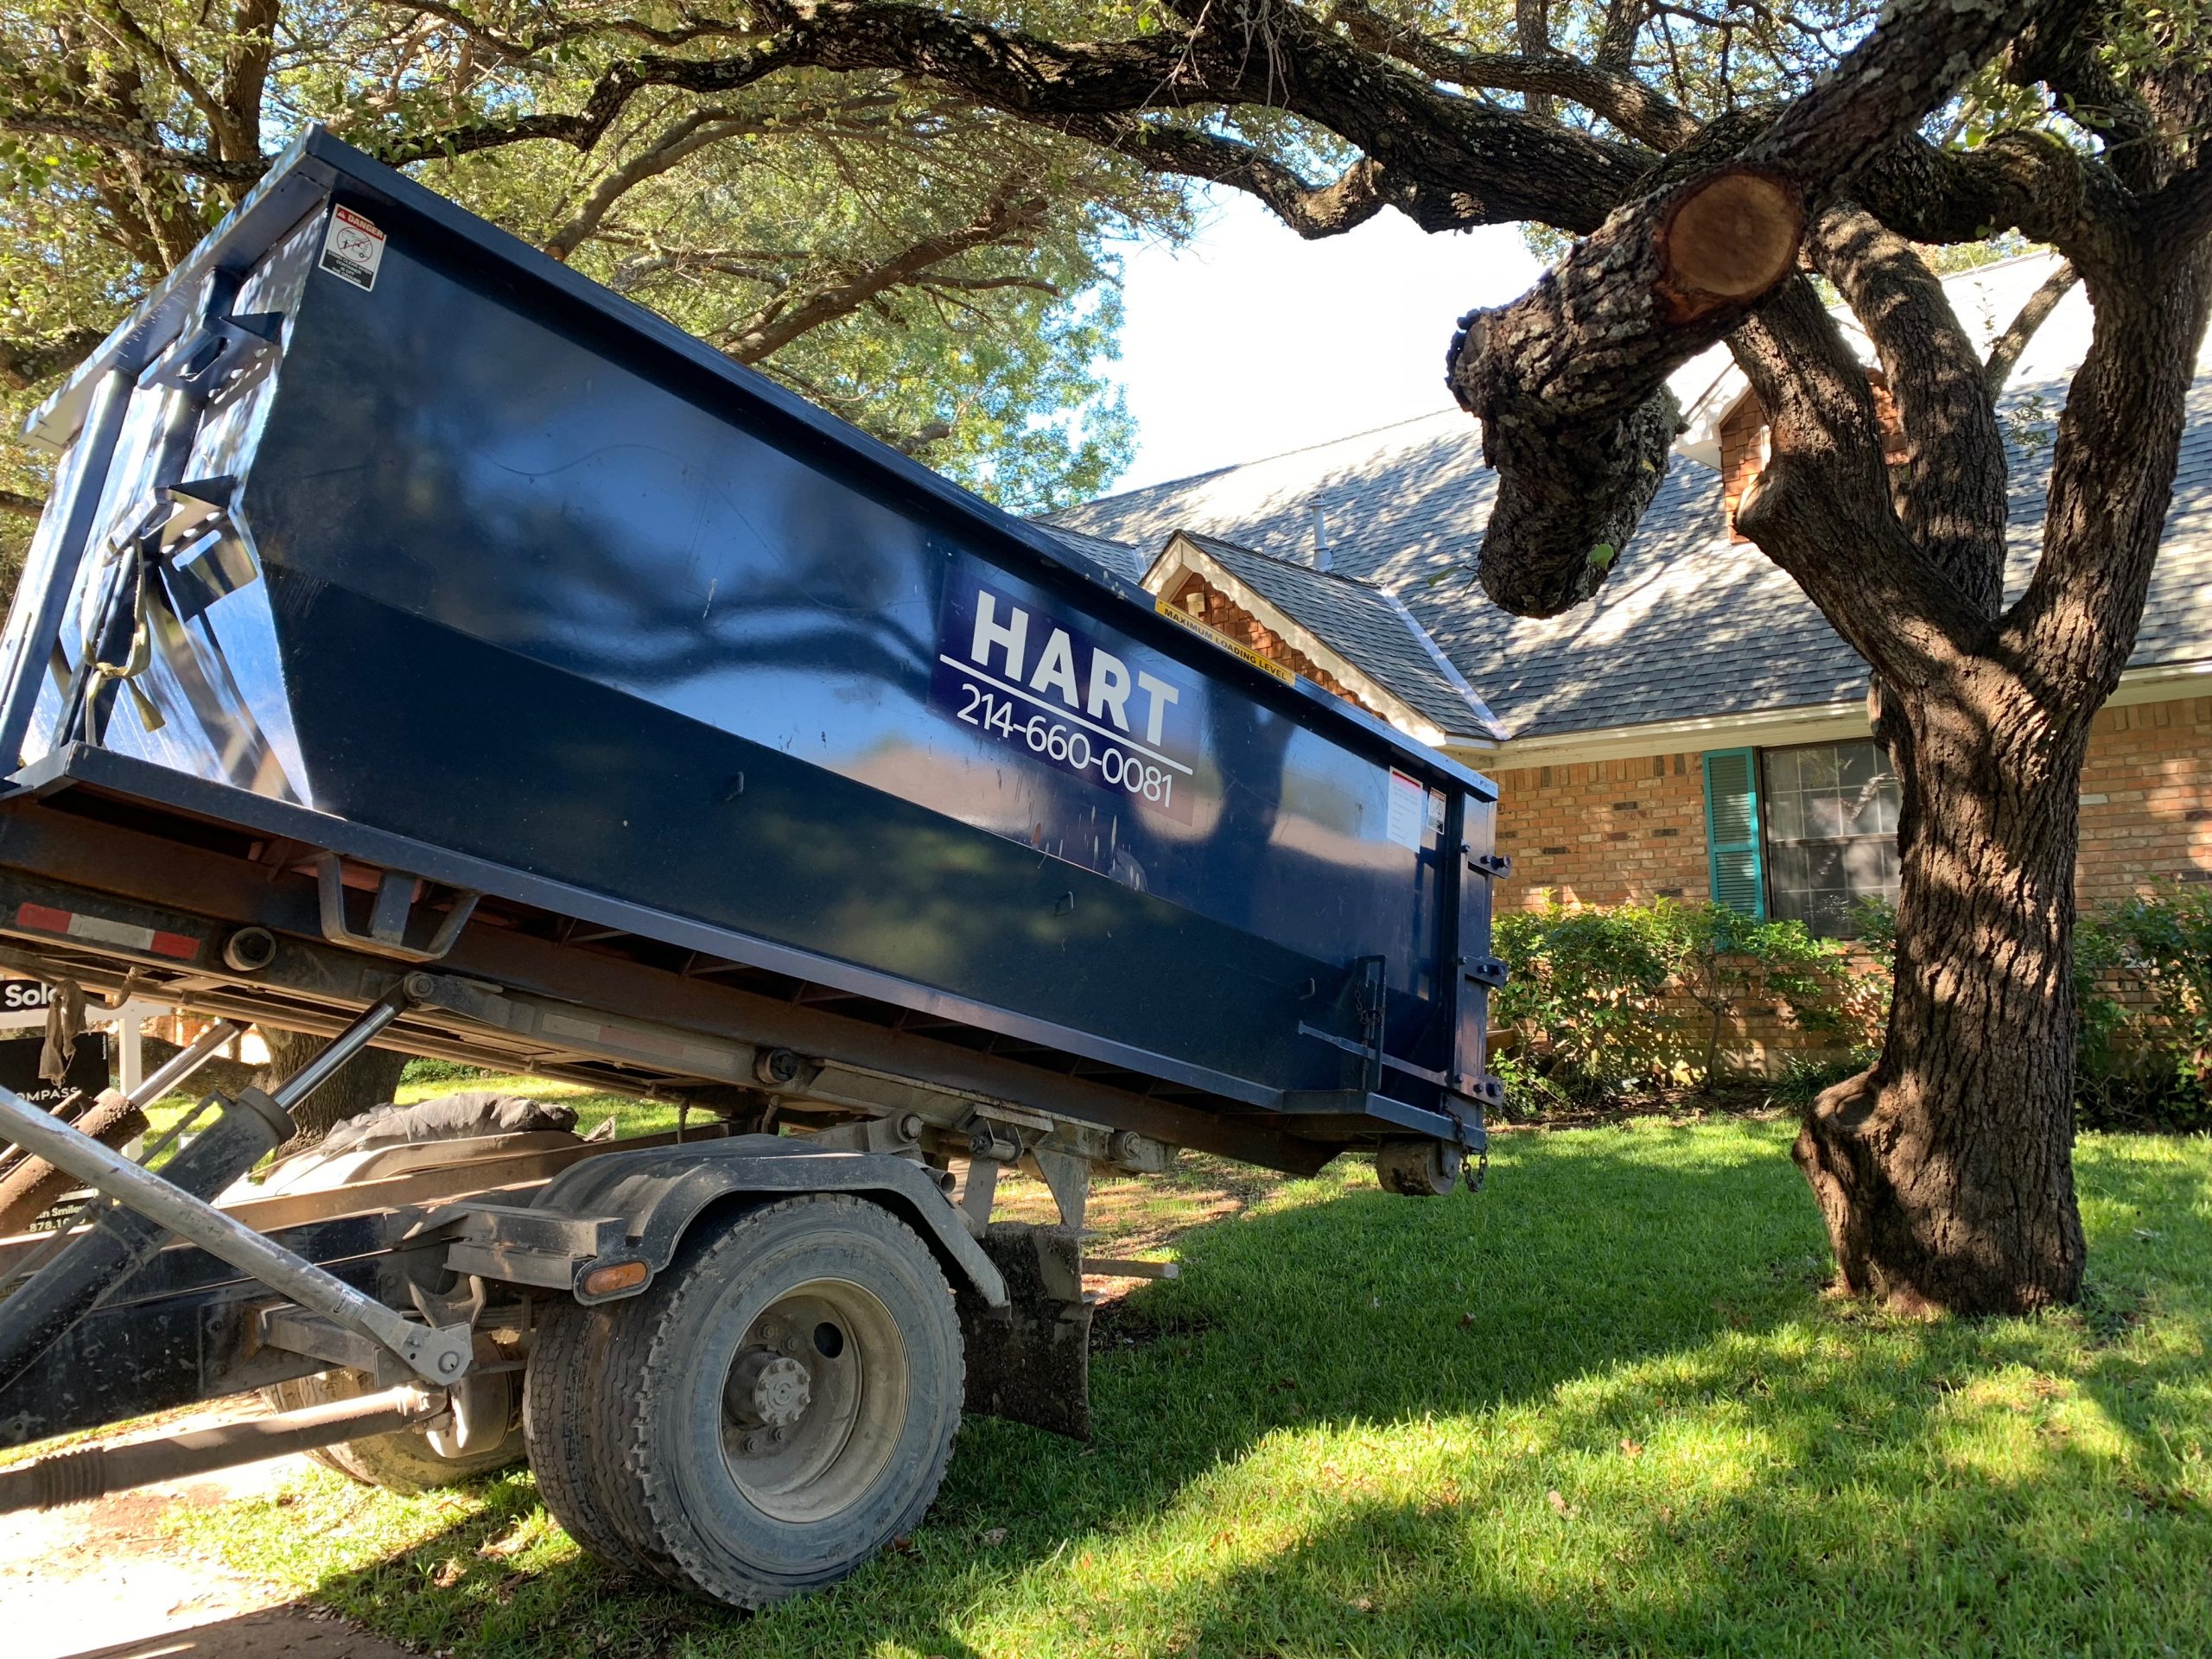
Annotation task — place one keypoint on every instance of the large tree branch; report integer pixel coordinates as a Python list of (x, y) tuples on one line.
[(1009, 214), (1507, 166), (16, 503), (2061, 48), (1312, 210), (128, 32), (2180, 214), (1575, 368), (2112, 477), (105, 135), (2028, 181), (1532, 33), (24, 363), (680, 138), (2005, 351), (1644, 115), (1824, 488), (1950, 490), (246, 61)]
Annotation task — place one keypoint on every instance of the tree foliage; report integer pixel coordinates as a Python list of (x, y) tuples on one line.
[(930, 269)]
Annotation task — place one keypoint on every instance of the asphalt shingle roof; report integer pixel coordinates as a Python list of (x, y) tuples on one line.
[(1690, 625), (1366, 624)]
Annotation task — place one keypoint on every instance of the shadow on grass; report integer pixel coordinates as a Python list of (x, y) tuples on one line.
[(1603, 1408)]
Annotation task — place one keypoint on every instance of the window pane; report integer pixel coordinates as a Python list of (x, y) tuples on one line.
[(1785, 815), (1865, 814), (1830, 822)]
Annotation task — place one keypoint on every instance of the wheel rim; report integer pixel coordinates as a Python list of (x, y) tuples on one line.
[(814, 1401)]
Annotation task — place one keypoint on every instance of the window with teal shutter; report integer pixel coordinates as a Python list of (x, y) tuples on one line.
[(1732, 830)]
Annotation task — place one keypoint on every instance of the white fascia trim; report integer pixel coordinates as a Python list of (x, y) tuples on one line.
[(1180, 557), (2162, 683), (1493, 728), (1825, 722)]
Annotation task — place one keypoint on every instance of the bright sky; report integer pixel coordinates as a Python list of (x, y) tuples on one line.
[(1248, 341)]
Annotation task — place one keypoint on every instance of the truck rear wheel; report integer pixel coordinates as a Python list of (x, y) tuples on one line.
[(778, 1404), (570, 1348)]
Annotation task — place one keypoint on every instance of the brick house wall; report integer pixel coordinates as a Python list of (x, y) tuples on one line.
[(1608, 832), (1743, 451), (2146, 798), (1743, 445), (1604, 832)]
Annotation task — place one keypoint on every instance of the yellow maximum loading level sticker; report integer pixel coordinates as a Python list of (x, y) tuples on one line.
[(1214, 636)]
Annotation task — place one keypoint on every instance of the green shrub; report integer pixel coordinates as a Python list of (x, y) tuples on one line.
[(1583, 996), (1806, 1078), (2141, 1063), (2150, 1063), (1595, 995)]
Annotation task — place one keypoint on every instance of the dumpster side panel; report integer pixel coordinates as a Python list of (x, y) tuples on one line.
[(506, 758), (488, 559), (521, 478)]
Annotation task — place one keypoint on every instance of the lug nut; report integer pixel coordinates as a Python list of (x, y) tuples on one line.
[(778, 1435)]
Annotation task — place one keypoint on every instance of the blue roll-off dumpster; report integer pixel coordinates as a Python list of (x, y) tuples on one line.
[(423, 646)]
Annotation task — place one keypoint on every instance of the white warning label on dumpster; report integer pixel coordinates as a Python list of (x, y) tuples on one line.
[(353, 248), (1408, 810)]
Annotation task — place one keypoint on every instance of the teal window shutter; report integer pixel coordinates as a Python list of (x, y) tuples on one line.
[(1732, 830)]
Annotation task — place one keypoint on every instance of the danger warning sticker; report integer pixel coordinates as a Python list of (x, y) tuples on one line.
[(353, 248)]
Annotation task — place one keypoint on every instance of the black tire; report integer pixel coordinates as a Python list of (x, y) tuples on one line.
[(779, 1403), (568, 1348), (406, 1461)]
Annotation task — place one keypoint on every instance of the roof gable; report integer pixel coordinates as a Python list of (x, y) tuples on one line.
[(1360, 633)]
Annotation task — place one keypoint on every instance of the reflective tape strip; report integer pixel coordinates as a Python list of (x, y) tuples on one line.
[(152, 941)]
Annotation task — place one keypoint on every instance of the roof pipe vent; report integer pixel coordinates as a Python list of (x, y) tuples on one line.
[(1321, 535)]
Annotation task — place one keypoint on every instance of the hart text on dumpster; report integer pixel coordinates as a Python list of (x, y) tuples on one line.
[(1077, 697)]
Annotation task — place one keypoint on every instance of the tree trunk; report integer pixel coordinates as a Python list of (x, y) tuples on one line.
[(1945, 1174), (369, 1079)]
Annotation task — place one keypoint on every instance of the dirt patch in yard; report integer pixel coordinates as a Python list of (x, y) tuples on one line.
[(107, 1580)]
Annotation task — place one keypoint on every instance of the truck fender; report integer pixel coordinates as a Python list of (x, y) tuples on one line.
[(656, 1193)]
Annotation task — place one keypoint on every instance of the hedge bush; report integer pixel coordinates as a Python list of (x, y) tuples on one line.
[(1600, 1000), (1603, 1000)]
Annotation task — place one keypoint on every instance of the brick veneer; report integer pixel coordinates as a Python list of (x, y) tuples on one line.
[(1224, 615), (1604, 832), (1608, 832), (1743, 445), (2146, 798)]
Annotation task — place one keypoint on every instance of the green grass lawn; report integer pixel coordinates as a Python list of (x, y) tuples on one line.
[(1603, 1408)]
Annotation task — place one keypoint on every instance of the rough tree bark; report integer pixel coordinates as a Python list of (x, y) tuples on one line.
[(369, 1079), (1944, 1173)]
